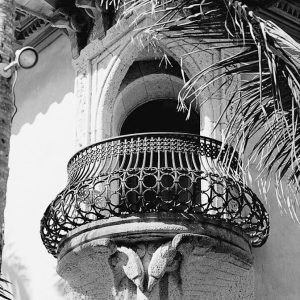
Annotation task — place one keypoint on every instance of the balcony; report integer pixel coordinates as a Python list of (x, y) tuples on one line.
[(155, 173)]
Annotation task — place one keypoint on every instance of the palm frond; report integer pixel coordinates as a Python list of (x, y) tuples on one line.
[(269, 100), (4, 292)]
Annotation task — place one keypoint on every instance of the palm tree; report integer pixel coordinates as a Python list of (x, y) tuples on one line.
[(269, 100), (7, 8)]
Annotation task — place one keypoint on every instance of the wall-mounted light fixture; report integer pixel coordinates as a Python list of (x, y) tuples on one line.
[(25, 58)]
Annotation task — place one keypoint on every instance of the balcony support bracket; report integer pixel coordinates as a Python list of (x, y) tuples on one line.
[(147, 258)]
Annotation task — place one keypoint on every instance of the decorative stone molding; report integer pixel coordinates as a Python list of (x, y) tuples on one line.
[(82, 85), (146, 263), (120, 63), (77, 24), (165, 259), (292, 10), (91, 77), (126, 262), (161, 86), (109, 60), (156, 263), (27, 24), (259, 3), (84, 21)]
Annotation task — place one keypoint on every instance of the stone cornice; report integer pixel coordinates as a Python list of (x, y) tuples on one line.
[(27, 24), (286, 14), (32, 29), (289, 8)]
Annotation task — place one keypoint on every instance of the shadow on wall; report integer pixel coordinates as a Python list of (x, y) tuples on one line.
[(48, 82)]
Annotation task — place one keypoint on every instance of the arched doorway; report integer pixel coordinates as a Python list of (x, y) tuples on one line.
[(156, 116), (160, 116)]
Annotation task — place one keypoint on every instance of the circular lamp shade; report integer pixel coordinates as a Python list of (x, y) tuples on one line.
[(27, 57)]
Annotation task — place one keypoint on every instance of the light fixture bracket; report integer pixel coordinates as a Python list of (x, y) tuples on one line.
[(25, 58)]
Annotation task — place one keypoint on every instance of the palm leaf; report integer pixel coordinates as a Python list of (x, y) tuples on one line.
[(270, 100), (4, 293)]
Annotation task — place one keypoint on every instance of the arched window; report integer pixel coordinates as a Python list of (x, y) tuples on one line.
[(160, 116)]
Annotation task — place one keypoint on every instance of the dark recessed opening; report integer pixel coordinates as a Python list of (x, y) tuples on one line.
[(160, 116)]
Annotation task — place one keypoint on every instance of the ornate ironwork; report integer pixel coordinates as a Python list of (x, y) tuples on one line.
[(155, 172)]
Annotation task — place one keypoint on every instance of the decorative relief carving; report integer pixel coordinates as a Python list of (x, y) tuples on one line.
[(165, 259), (126, 262), (147, 263), (27, 24), (188, 265), (292, 9), (83, 109), (77, 24), (84, 21), (142, 265)]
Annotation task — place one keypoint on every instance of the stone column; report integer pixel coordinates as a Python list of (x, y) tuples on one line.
[(157, 256)]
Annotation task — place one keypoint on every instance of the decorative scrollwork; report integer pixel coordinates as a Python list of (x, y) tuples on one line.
[(148, 173)]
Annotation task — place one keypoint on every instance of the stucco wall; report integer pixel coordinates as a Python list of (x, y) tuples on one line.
[(42, 142), (277, 262)]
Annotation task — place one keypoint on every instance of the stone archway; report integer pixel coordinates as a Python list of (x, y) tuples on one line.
[(162, 86), (123, 59)]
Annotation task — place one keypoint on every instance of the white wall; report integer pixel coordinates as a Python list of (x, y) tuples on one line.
[(43, 139), (277, 263)]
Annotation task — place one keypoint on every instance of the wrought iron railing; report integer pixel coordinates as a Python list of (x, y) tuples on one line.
[(152, 173)]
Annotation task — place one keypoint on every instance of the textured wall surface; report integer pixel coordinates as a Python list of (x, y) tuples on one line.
[(210, 275)]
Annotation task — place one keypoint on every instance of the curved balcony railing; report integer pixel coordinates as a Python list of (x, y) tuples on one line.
[(148, 173)]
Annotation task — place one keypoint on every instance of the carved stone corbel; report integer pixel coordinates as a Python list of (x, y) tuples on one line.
[(165, 258), (189, 264), (77, 24), (84, 21), (147, 263), (126, 262), (102, 16)]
